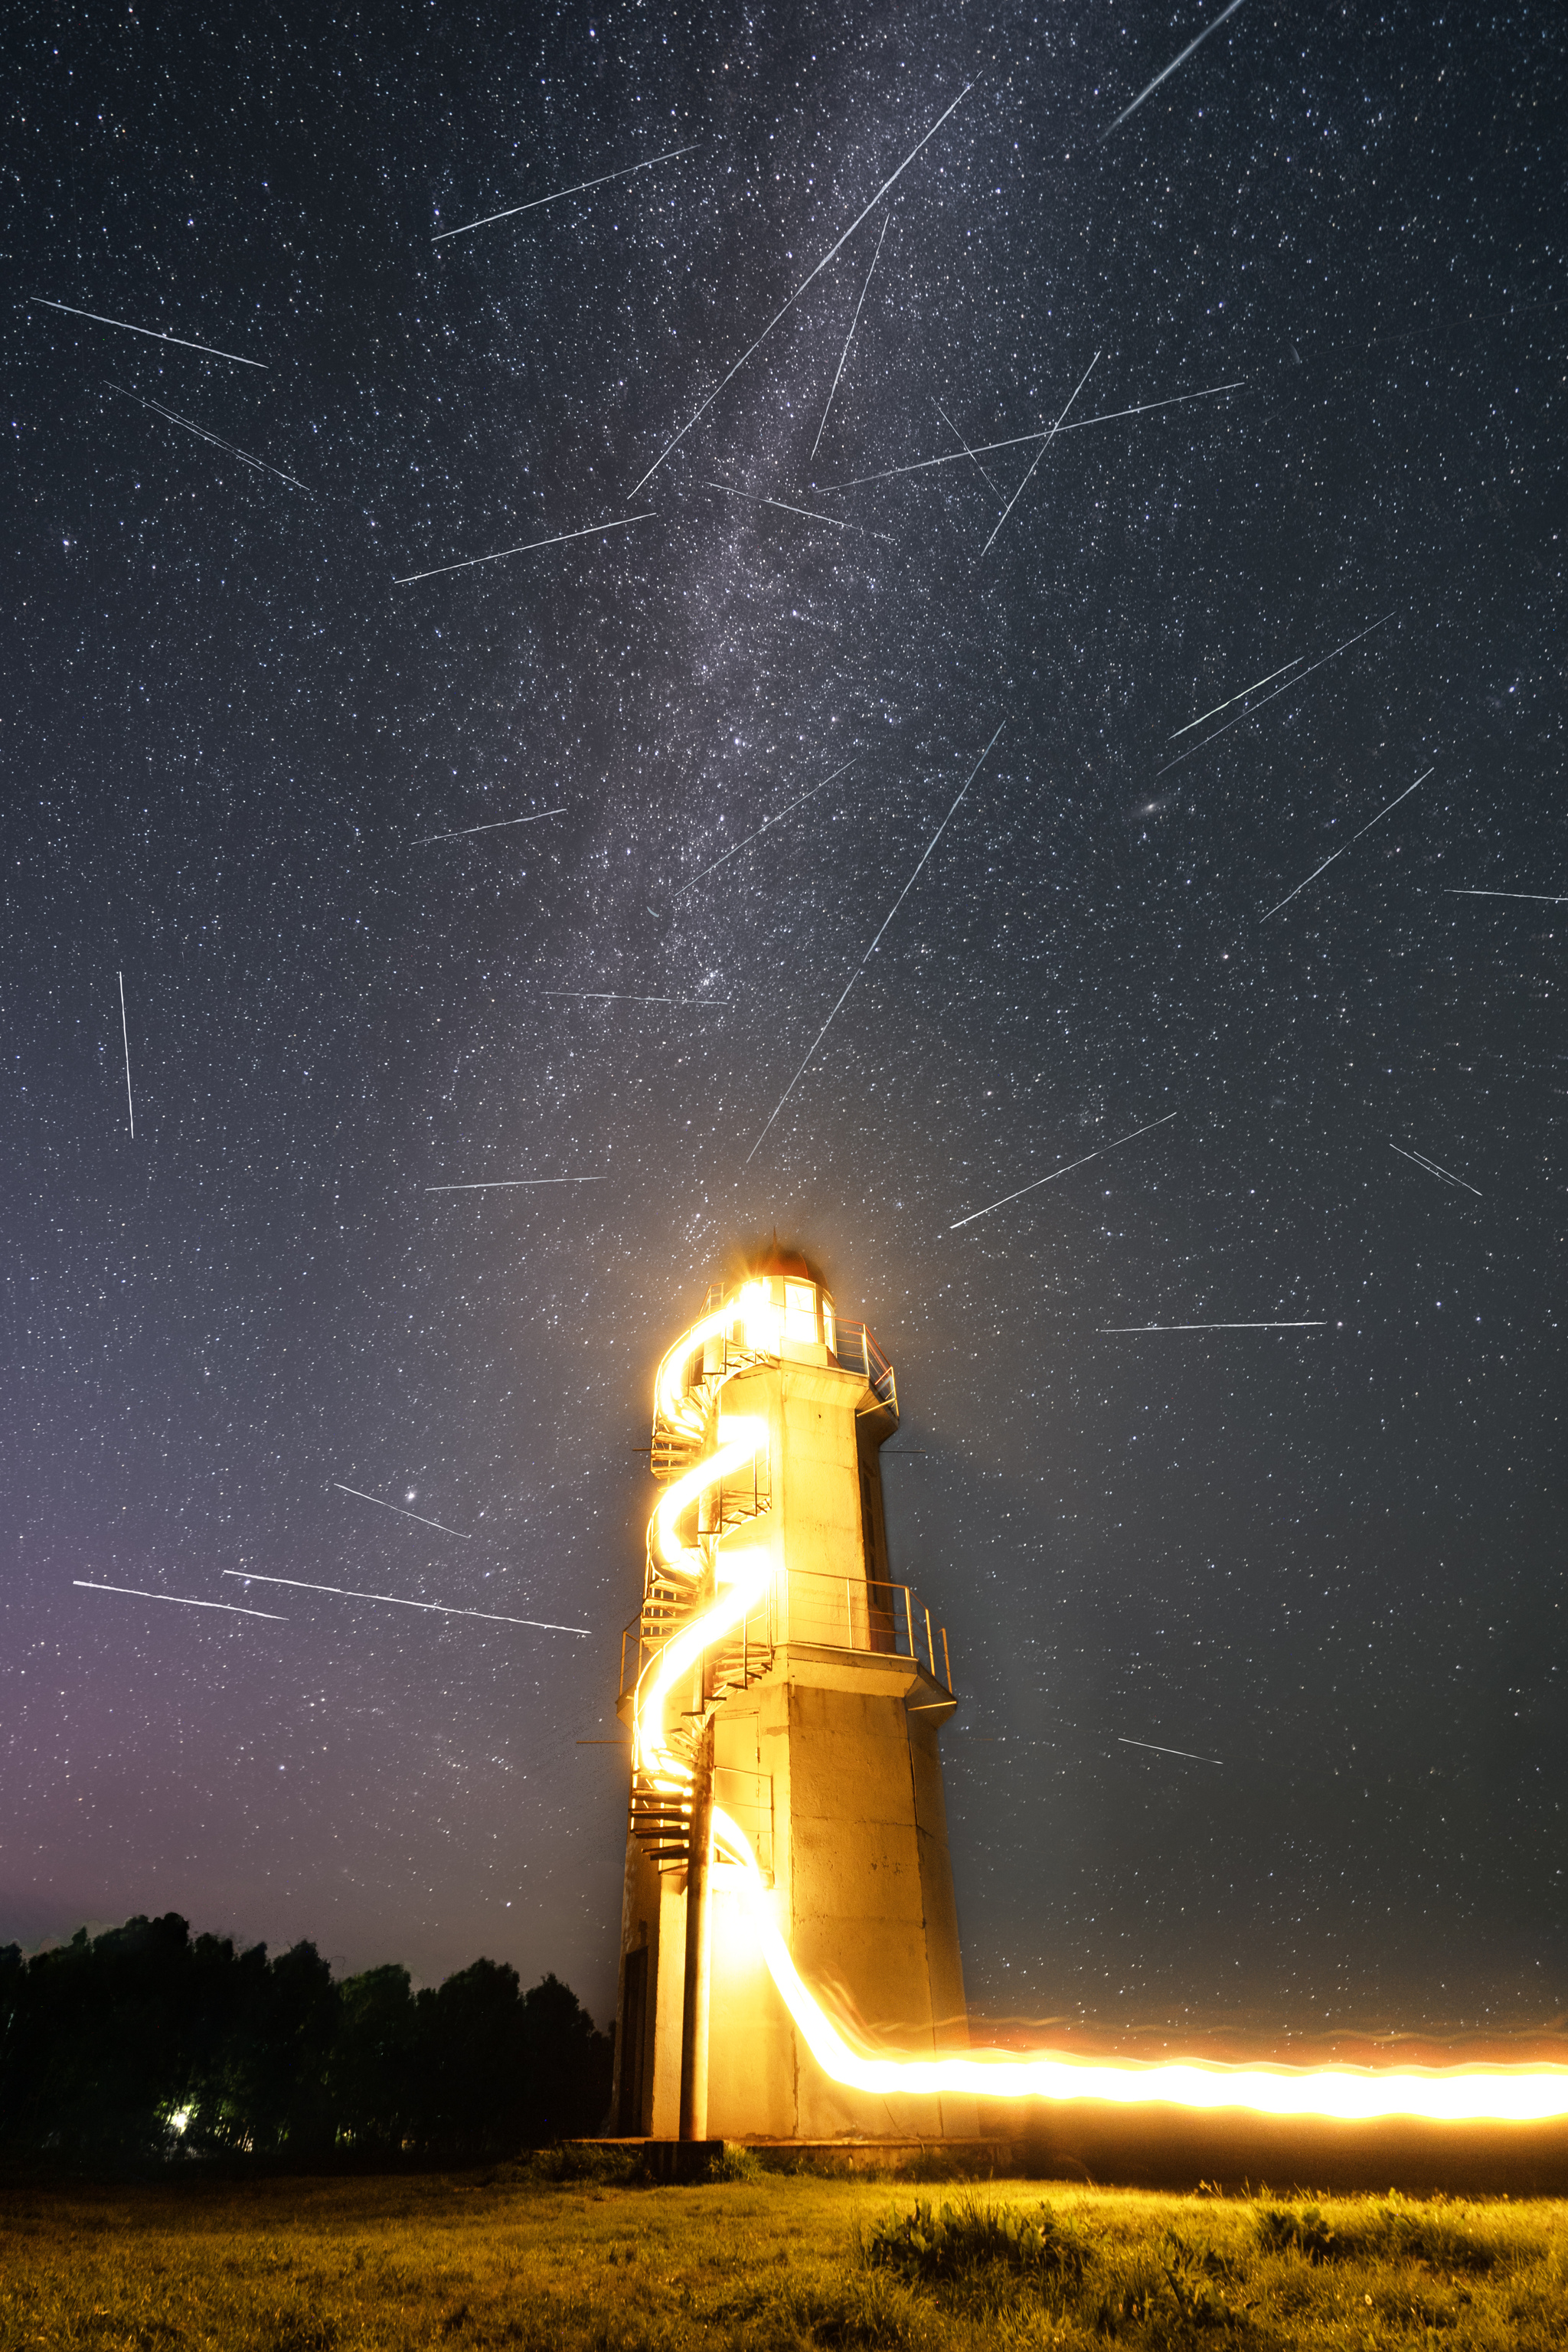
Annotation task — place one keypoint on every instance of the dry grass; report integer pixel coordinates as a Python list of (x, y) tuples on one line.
[(769, 2264)]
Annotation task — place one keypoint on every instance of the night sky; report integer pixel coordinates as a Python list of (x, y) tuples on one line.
[(1330, 1558)]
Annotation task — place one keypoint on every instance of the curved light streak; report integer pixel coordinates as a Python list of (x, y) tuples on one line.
[(1519, 2094)]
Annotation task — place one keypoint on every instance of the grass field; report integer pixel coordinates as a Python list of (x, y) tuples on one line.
[(768, 2263)]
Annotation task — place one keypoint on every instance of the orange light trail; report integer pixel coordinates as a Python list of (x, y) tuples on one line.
[(1442, 2094)]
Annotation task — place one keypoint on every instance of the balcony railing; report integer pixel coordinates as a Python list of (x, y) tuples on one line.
[(854, 1350), (830, 1612)]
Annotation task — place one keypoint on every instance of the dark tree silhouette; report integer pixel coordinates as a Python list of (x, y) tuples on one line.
[(139, 2042)]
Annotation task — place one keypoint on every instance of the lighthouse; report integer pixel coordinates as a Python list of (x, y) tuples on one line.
[(786, 1850)]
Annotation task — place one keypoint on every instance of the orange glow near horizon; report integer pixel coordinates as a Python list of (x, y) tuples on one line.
[(1468, 2094)]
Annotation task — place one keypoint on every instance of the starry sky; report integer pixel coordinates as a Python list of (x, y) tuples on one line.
[(1325, 1562)]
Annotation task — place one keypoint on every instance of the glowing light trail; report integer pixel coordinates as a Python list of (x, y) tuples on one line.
[(1041, 451), (125, 1033), (1099, 1149), (214, 440), (1350, 843), (1149, 88), (1421, 1161), (608, 996), (766, 822), (964, 445), (850, 338), (1544, 897), (699, 412), (501, 1184), (810, 514), (554, 198), (1288, 687), (1236, 698), (402, 1514), (1155, 1750), (592, 531), (495, 825), (1022, 440), (98, 318), (178, 1599), (1108, 1330), (1451, 2094), (395, 1601), (871, 950)]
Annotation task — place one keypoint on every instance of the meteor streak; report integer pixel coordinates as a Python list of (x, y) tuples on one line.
[(1148, 91), (1021, 440), (699, 412), (495, 1184), (1350, 843), (1519, 2094), (179, 1600), (213, 439), (532, 205), (1234, 698), (592, 531), (810, 514), (496, 825), (1288, 687), (1041, 450), (1155, 1750), (1107, 1329), (1544, 897), (125, 1033), (1099, 1151), (98, 318), (539, 1624), (871, 950), (967, 450), (1421, 1161), (402, 1514), (608, 996), (850, 338), (762, 828)]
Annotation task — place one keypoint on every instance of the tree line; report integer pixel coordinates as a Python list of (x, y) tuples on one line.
[(146, 2041)]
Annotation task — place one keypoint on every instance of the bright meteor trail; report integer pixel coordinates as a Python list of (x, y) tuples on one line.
[(98, 318), (592, 531), (1108, 1330), (762, 828), (1155, 1750), (1236, 698), (213, 440), (497, 824), (850, 338), (1023, 440), (1288, 687), (1350, 843), (1096, 1153), (698, 414), (532, 205), (179, 1600), (1149, 88), (395, 1600), (1041, 451), (871, 950), (495, 1184), (402, 1514)]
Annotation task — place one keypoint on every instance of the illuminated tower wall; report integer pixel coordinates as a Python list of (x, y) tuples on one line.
[(820, 1713)]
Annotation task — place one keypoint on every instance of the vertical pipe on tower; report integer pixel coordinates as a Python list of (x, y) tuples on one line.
[(699, 1931)]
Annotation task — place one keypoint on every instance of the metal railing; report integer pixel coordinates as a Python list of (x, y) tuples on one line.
[(857, 1612), (830, 1612), (854, 1350)]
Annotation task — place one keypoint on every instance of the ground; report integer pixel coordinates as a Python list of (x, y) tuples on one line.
[(767, 2263)]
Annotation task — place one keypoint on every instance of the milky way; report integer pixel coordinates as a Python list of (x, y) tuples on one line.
[(342, 1247)]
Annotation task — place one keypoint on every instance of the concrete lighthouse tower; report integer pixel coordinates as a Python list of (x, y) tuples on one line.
[(787, 1848)]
